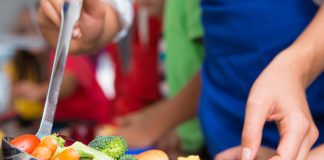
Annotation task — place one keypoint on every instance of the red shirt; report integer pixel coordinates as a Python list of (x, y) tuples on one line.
[(140, 87), (88, 102)]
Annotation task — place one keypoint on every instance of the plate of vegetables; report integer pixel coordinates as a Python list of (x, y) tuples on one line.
[(54, 147)]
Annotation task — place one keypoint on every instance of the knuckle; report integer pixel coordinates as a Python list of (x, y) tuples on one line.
[(254, 102)]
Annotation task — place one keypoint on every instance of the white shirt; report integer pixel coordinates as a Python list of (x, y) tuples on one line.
[(125, 12)]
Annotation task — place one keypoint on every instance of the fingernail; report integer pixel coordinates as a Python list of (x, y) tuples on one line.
[(246, 154)]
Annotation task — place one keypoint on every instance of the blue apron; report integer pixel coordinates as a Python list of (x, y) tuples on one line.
[(241, 38)]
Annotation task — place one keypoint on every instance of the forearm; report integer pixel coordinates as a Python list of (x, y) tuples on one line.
[(306, 54), (181, 107)]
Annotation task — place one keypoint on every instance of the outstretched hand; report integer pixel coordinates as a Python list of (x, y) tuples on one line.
[(89, 33), (279, 95)]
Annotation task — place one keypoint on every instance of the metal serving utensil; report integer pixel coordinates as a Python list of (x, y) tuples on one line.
[(70, 14)]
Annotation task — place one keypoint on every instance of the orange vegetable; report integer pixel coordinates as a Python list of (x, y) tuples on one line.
[(68, 154), (42, 153), (26, 142), (48, 143), (153, 155)]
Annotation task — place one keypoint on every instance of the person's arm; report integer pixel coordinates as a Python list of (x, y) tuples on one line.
[(99, 23), (279, 95), (38, 92), (140, 129)]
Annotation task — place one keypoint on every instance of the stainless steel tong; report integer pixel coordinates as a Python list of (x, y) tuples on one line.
[(70, 13)]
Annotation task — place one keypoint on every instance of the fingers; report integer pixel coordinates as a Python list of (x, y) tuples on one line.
[(317, 153), (230, 154), (50, 12), (255, 117), (308, 143), (293, 132)]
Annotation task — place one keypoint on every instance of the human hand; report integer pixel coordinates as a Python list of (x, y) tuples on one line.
[(138, 129), (234, 153), (88, 31), (28, 90), (170, 143), (279, 95), (316, 153)]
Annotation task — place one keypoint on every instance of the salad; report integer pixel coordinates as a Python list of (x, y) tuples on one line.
[(54, 147)]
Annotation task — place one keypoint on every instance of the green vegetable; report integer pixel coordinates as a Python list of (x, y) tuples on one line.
[(89, 153), (58, 139), (128, 157), (113, 146)]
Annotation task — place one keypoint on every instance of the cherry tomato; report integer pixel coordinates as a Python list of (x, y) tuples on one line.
[(68, 154), (42, 153), (26, 142)]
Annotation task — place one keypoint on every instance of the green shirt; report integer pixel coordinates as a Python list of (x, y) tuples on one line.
[(183, 35)]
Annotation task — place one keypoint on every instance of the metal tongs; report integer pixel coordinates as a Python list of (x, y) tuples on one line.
[(70, 14)]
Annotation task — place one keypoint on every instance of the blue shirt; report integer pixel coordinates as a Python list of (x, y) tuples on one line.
[(241, 38)]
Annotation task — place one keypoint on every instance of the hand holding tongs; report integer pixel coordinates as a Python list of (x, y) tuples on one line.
[(70, 13)]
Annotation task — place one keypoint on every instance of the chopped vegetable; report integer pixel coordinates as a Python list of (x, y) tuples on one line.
[(128, 157), (26, 142), (113, 146), (42, 153), (85, 151), (48, 142), (153, 155), (67, 154)]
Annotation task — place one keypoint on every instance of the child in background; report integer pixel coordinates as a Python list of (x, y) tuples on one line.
[(27, 71), (184, 57), (26, 75)]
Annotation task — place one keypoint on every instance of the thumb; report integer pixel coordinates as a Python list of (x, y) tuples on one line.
[(255, 117)]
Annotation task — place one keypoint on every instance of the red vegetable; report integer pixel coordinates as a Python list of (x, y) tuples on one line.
[(26, 142)]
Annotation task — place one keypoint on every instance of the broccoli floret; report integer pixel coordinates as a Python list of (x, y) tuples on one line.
[(60, 141), (113, 146), (128, 157)]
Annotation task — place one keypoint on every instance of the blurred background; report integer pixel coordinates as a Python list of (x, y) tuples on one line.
[(116, 81)]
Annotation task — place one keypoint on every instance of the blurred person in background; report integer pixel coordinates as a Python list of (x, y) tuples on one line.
[(27, 71), (277, 94), (220, 119), (183, 36)]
